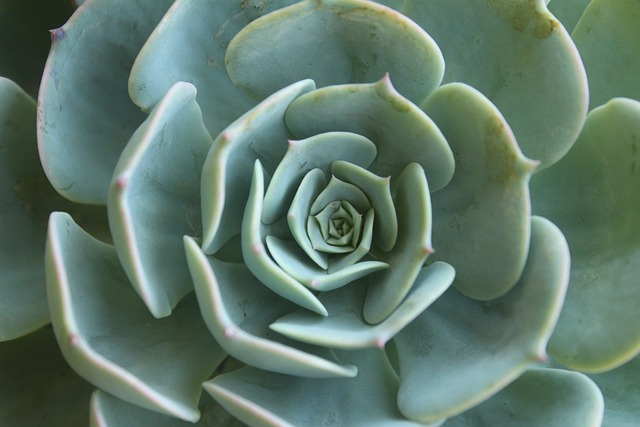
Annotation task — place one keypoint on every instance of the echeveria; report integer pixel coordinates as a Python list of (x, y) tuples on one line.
[(324, 212)]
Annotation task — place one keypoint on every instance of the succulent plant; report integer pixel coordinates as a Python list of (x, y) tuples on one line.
[(324, 212)]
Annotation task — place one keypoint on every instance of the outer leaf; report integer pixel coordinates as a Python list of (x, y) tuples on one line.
[(540, 397), (37, 385), (206, 27), (568, 12), (260, 134), (621, 394), (262, 398), (482, 218), (26, 199), (520, 57), (107, 335), (154, 199), (593, 197), (334, 42), (473, 349), (401, 131), (238, 309), (81, 132), (608, 38), (109, 411), (23, 218), (345, 326)]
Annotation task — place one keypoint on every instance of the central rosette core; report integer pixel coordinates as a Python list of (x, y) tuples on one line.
[(336, 228)]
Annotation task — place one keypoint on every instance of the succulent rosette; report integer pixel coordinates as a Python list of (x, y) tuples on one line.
[(325, 212)]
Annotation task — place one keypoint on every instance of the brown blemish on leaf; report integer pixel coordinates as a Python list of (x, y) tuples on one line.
[(523, 13), (499, 158)]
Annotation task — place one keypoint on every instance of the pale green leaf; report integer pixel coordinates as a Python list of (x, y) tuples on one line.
[(516, 54), (85, 114), (260, 134), (608, 38), (592, 195), (154, 199), (334, 42), (108, 336), (460, 351), (401, 131), (540, 397), (262, 398), (238, 309), (482, 218)]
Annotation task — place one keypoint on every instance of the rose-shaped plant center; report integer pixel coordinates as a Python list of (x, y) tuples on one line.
[(339, 224), (335, 204)]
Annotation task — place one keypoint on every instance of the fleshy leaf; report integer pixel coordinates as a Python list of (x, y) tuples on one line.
[(109, 337), (23, 299), (260, 134), (592, 194), (26, 199), (267, 399), (334, 42), (318, 151), (568, 12), (608, 38), (312, 184), (413, 206), (109, 411), (154, 199), (540, 397), (482, 218), (82, 132), (621, 394), (378, 190), (291, 258), (237, 308), (345, 326), (473, 349), (258, 260), (206, 27), (518, 55), (37, 385), (402, 132)]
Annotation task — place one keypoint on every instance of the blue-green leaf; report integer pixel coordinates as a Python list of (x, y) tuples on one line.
[(109, 337), (345, 326), (388, 287), (318, 151), (621, 394), (518, 55), (401, 131), (154, 199), (85, 115), (592, 194), (482, 218), (540, 397), (263, 398), (460, 351), (260, 134), (334, 42), (238, 309), (608, 38), (206, 27)]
